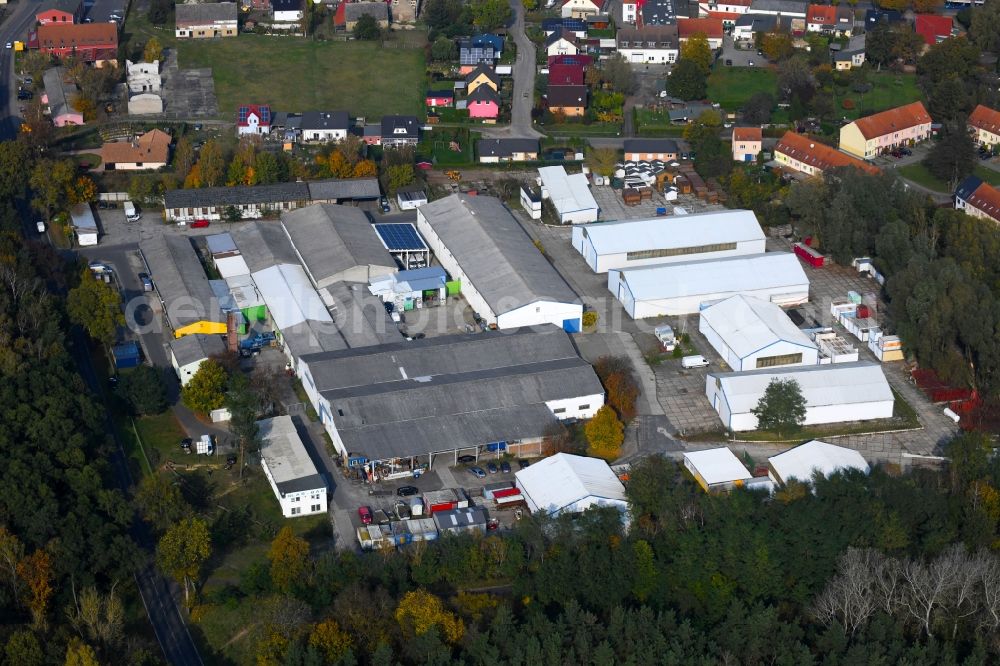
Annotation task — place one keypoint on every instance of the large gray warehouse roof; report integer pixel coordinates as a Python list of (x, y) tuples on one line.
[(180, 280), (457, 391), (495, 252), (331, 239), (263, 244)]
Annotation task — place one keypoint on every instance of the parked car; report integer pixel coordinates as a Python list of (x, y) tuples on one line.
[(466, 459), (729, 63), (27, 80), (906, 151), (505, 467), (199, 224), (492, 467), (40, 226), (384, 203), (523, 462), (750, 63), (23, 94), (406, 491), (147, 283), (389, 307), (365, 514), (186, 444), (477, 472), (695, 361)]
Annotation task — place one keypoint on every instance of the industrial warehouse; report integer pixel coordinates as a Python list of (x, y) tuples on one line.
[(682, 238)]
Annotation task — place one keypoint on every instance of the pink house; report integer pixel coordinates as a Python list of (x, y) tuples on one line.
[(483, 102)]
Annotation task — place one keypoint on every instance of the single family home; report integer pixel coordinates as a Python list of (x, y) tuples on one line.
[(727, 11), (400, 131), (649, 44), (471, 55), (204, 21), (492, 151), (483, 103), (148, 151), (933, 28), (879, 133), (568, 100), (978, 199), (984, 125), (747, 143), (287, 11), (59, 11), (253, 119), (482, 75), (582, 8), (640, 150), (577, 26), (710, 28), (324, 125), (829, 20), (561, 43), (348, 14), (566, 75)]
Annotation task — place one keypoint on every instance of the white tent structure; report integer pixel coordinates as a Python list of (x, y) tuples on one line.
[(683, 288), (300, 316), (716, 470), (804, 461), (570, 195), (833, 393), (750, 334), (662, 240), (565, 483)]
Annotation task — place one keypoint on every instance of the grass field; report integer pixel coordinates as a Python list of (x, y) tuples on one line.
[(295, 74), (919, 174), (731, 87)]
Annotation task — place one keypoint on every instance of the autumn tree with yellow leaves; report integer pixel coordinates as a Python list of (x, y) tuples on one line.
[(419, 611), (289, 557)]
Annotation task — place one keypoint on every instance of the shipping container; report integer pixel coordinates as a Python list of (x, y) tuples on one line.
[(809, 255)]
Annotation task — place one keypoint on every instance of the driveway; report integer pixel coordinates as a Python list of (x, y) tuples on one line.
[(739, 57), (524, 84)]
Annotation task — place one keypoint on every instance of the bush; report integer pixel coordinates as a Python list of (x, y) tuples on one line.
[(589, 319), (848, 104), (144, 390)]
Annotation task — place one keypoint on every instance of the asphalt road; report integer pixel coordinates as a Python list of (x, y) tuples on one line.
[(524, 84), (15, 27)]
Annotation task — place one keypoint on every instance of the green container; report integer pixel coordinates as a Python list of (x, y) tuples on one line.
[(408, 305), (454, 287), (255, 313)]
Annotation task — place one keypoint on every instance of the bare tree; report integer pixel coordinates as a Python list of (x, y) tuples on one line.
[(926, 588), (850, 597), (888, 575)]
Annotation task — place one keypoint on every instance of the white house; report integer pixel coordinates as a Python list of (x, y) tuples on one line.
[(565, 483), (629, 11), (298, 487), (561, 43), (570, 195), (683, 288), (833, 393), (324, 125), (649, 44), (664, 240), (189, 352), (582, 8), (750, 334), (253, 119), (504, 277), (716, 470), (805, 460), (287, 11)]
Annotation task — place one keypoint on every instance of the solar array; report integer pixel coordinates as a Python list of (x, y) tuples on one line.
[(399, 237), (263, 113)]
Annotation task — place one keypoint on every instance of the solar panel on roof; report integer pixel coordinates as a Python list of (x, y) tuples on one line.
[(398, 237)]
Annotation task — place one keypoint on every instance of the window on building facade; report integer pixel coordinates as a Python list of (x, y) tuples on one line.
[(559, 410), (678, 251), (582, 407), (315, 508), (784, 359)]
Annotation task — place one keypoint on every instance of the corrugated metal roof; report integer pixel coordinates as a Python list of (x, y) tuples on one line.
[(815, 456), (289, 295), (286, 457), (674, 232), (181, 281), (718, 466), (748, 324), (568, 193), (232, 266), (563, 479)]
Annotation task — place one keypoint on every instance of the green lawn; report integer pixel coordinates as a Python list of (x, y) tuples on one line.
[(919, 174), (731, 87), (655, 123), (296, 74), (161, 436)]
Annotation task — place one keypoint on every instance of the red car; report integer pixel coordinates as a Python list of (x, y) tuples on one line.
[(199, 224), (366, 515)]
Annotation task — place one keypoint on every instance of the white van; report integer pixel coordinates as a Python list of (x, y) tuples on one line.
[(131, 214), (696, 361)]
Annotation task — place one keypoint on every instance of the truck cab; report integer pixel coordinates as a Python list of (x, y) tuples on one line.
[(131, 214)]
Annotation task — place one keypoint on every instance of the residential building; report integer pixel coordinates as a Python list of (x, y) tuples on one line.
[(749, 25), (287, 11), (404, 11), (440, 98), (852, 56), (639, 150), (627, 12), (93, 43), (791, 8), (978, 199), (59, 90), (582, 8), (348, 14), (208, 20), (471, 55), (933, 28), (566, 483), (879, 133), (984, 125), (684, 287), (489, 40), (830, 20), (507, 391), (833, 393), (146, 152), (504, 277), (400, 131), (479, 76), (143, 77), (710, 28), (59, 11), (253, 119), (566, 75), (810, 157), (805, 461), (570, 195), (492, 151), (747, 143), (580, 59), (324, 125), (662, 240), (299, 488), (561, 43), (750, 334), (570, 101), (716, 470), (483, 103), (557, 25), (657, 12), (728, 11), (649, 44)]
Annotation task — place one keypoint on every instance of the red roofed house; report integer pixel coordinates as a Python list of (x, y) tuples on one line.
[(873, 135), (978, 199), (747, 143), (95, 43), (582, 8), (566, 75), (253, 119), (578, 59), (727, 11), (60, 11), (435, 98), (830, 20), (933, 28), (806, 155), (711, 28), (984, 124)]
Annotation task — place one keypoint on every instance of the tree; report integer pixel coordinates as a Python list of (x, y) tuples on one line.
[(757, 110), (184, 157), (602, 161), (927, 6), (687, 81), (14, 162), (24, 649), (646, 573), (51, 181), (781, 409), (697, 50), (985, 27), (605, 434), (953, 157), (367, 28), (140, 189), (397, 176), (85, 105), (241, 167), (618, 72), (160, 502), (796, 80), (205, 390), (153, 51), (79, 653), (232, 214), (36, 572), (211, 164), (490, 14), (144, 389), (419, 611), (98, 617), (193, 179), (777, 46), (182, 551), (289, 557), (331, 641), (443, 50), (83, 190), (244, 410), (159, 11), (96, 307)]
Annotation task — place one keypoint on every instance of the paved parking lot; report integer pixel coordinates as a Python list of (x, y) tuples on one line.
[(613, 208), (739, 57)]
